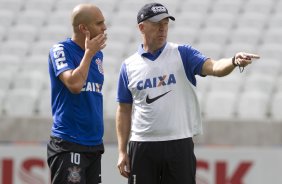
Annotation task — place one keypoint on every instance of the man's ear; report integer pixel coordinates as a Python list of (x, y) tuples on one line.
[(141, 27), (82, 28)]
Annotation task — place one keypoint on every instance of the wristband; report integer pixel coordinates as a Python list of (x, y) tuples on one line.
[(233, 62), (241, 68)]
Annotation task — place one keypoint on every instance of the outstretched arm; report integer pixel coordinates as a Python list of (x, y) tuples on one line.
[(225, 66)]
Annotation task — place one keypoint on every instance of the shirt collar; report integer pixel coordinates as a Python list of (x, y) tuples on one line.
[(148, 55)]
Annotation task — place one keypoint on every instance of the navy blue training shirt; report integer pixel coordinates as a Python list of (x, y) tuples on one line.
[(77, 118)]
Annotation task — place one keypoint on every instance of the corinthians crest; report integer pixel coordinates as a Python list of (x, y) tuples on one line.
[(74, 175)]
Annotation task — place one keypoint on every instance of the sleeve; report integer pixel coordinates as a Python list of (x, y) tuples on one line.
[(123, 93), (193, 61), (60, 59)]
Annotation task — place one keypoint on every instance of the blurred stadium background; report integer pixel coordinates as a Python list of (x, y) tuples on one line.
[(241, 110)]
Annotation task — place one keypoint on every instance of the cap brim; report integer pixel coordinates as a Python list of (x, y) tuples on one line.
[(160, 17)]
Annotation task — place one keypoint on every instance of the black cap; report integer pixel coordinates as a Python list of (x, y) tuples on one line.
[(153, 12)]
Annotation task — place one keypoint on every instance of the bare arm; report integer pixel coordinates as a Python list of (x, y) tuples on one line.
[(75, 79), (123, 126), (225, 66)]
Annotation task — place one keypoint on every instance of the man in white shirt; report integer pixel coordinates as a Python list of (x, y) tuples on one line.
[(158, 105)]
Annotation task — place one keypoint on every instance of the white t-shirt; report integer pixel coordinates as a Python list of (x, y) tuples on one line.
[(165, 104)]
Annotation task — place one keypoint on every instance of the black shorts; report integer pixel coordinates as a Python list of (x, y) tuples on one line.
[(165, 162), (74, 164)]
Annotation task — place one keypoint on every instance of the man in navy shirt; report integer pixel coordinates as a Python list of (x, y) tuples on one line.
[(76, 73), (158, 111)]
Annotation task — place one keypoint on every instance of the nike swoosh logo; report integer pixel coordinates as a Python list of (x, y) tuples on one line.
[(151, 100)]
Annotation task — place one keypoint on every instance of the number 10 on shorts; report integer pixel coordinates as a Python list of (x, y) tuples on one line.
[(75, 158)]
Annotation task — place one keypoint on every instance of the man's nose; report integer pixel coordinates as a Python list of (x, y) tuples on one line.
[(104, 27)]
